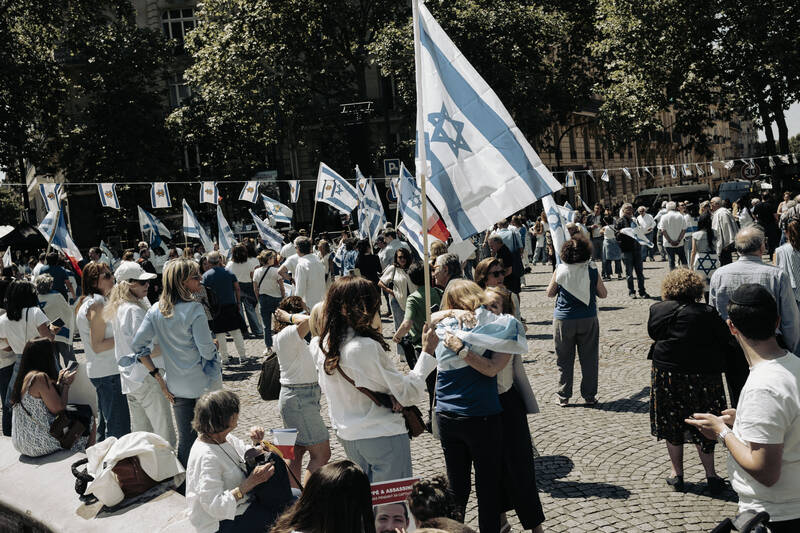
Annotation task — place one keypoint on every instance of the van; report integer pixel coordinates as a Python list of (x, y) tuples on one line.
[(652, 198), (733, 190)]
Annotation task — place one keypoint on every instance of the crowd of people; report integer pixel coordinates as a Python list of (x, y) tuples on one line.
[(154, 328)]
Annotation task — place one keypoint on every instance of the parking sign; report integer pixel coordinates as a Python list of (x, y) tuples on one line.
[(391, 168)]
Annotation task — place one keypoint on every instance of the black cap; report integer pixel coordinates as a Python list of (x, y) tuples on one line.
[(752, 295)]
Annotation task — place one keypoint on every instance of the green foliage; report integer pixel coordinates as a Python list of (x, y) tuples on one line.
[(794, 144)]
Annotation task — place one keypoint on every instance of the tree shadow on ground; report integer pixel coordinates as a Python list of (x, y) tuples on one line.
[(549, 470), (542, 337)]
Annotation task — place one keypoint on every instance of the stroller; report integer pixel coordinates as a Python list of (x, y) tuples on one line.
[(746, 522)]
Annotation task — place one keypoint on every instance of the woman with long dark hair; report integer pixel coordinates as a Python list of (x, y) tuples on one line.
[(394, 281)]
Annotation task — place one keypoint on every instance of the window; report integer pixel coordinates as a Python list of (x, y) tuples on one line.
[(598, 153), (587, 150), (177, 23), (573, 153), (178, 90)]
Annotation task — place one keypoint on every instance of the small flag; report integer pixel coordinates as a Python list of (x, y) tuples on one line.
[(570, 179), (638, 235), (209, 193), (294, 191), (627, 173), (225, 236), (54, 229), (279, 213), (272, 239), (334, 190), (686, 170), (108, 195), (394, 187), (645, 169), (284, 440), (371, 217), (591, 174), (784, 159), (604, 177), (750, 164), (558, 226), (148, 224), (729, 164), (710, 169), (673, 171), (50, 194), (699, 169), (159, 195), (7, 263), (771, 162), (193, 228), (249, 192)]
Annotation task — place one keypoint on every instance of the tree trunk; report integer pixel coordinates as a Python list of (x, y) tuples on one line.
[(783, 130), (767, 122)]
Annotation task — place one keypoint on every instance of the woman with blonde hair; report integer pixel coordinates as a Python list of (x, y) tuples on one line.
[(178, 325), (148, 396)]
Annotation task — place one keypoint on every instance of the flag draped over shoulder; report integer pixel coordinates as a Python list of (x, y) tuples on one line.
[(371, 217), (54, 229), (334, 190), (279, 213), (148, 224), (225, 235), (108, 195), (481, 167), (557, 223), (271, 238), (410, 206), (192, 228), (159, 195)]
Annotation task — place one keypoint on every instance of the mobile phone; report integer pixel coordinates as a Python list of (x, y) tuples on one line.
[(59, 323), (72, 366)]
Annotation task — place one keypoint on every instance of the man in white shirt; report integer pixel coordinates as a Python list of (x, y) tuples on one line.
[(673, 230), (645, 220), (657, 240), (386, 255), (289, 248), (309, 274), (763, 433), (724, 226)]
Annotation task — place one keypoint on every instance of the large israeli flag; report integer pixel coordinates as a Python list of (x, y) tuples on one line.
[(150, 225), (271, 238), (192, 228), (279, 213), (51, 193), (108, 195), (225, 235), (371, 217), (209, 192), (334, 190), (54, 229), (480, 165), (249, 192), (159, 195)]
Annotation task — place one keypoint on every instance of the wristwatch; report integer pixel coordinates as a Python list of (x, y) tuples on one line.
[(154, 372), (722, 435), (237, 493)]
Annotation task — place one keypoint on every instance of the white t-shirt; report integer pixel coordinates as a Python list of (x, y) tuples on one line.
[(98, 365), (297, 363), (608, 233), (768, 412), (242, 271), (402, 285), (288, 250), (37, 269), (271, 285), (672, 224), (19, 332), (309, 280)]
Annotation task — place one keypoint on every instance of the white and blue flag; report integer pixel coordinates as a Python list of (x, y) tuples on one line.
[(604, 177), (686, 170), (209, 192), (557, 223), (638, 234), (570, 179), (7, 261), (51, 193), (334, 190), (481, 167), (54, 229), (225, 236), (673, 171), (394, 187), (159, 195), (150, 225), (249, 192), (279, 213), (591, 174), (272, 239), (699, 169), (627, 173), (108, 195), (294, 191), (371, 217), (410, 205), (193, 228)]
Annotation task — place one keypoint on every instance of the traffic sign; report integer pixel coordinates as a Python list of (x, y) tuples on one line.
[(391, 167), (389, 196), (750, 172)]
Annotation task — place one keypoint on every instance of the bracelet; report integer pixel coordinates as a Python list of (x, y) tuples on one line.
[(722, 435), (291, 318)]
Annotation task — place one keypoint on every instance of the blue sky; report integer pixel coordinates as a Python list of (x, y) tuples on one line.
[(792, 122)]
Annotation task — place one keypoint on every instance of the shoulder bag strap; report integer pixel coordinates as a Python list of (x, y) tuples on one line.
[(264, 275), (365, 391)]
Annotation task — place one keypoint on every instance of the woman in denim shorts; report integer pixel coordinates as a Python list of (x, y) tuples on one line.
[(300, 392)]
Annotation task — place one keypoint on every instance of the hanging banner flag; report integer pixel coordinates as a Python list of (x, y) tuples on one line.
[(750, 164), (50, 195), (193, 228), (710, 169), (249, 192), (660, 171), (673, 171), (279, 213), (7, 262), (591, 175), (159, 195), (558, 226), (294, 191), (334, 190), (570, 179), (729, 164), (371, 217), (645, 169), (108, 195), (150, 225), (771, 162), (627, 173), (272, 239), (604, 177), (209, 193), (410, 206), (794, 158), (784, 159), (699, 170), (686, 170), (225, 236), (54, 229), (482, 168)]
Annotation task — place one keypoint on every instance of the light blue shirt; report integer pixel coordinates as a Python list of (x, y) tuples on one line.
[(788, 259), (750, 269), (191, 362)]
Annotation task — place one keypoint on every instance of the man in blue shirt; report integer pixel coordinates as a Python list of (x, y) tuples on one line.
[(61, 282), (226, 316)]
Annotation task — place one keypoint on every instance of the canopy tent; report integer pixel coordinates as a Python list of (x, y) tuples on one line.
[(23, 237)]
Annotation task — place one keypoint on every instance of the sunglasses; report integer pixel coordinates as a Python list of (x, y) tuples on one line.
[(142, 282), (497, 273)]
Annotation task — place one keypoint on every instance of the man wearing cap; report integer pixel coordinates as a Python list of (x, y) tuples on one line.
[(763, 433), (751, 269)]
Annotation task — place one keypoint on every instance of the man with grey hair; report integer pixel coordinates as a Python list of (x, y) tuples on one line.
[(750, 268), (225, 287), (631, 250), (724, 226), (673, 228), (447, 267)]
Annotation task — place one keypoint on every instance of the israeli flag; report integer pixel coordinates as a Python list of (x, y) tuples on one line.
[(279, 213), (272, 239), (50, 195), (557, 223), (371, 217), (249, 192), (294, 191), (673, 171), (686, 170), (591, 174), (604, 177), (730, 164), (710, 169), (699, 169), (7, 262), (570, 179), (159, 195), (54, 229), (498, 333), (784, 159), (192, 228), (150, 225), (638, 234), (111, 260), (627, 173), (108, 195), (410, 206), (209, 193), (586, 207), (771, 162), (645, 169), (481, 167), (394, 187), (225, 236), (334, 190)]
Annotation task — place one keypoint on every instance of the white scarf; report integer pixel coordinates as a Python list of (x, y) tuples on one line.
[(574, 278)]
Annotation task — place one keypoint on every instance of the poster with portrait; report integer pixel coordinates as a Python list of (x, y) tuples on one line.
[(389, 505)]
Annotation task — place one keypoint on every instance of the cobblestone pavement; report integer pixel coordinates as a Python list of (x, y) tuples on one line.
[(600, 469)]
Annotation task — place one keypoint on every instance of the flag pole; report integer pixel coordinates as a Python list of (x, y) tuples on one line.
[(313, 218), (422, 165), (397, 203)]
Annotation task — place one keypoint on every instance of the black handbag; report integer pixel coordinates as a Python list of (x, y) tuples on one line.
[(269, 385), (73, 422), (276, 492)]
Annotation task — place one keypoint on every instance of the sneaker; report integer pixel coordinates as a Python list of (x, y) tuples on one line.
[(619, 276), (644, 296), (561, 402), (632, 295), (590, 401), (267, 352)]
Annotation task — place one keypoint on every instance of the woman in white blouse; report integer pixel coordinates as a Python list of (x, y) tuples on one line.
[(396, 283), (217, 484), (269, 287), (374, 437)]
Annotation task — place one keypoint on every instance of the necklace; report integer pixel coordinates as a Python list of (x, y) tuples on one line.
[(240, 464)]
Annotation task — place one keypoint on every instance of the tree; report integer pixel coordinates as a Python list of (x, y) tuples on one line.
[(794, 144)]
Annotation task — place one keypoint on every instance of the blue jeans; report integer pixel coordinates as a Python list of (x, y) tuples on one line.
[(672, 253), (633, 261), (183, 408), (268, 305), (113, 406), (540, 255), (249, 305)]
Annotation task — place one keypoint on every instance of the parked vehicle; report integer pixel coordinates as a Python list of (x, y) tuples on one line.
[(652, 198)]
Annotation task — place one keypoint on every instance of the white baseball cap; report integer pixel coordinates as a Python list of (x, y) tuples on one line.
[(129, 270)]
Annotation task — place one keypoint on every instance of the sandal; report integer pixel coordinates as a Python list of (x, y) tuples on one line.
[(676, 482)]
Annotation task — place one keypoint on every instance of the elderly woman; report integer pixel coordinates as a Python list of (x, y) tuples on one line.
[(689, 355), (787, 256), (576, 285), (217, 484)]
